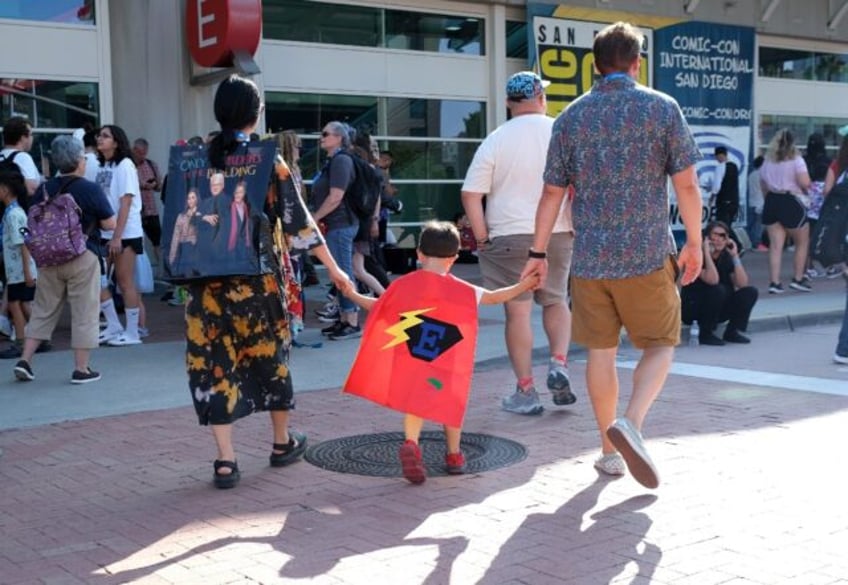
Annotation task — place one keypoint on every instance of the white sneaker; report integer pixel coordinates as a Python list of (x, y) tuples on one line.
[(143, 332), (123, 339), (611, 464), (840, 359), (109, 334)]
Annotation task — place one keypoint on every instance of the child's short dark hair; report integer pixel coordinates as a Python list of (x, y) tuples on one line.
[(439, 239)]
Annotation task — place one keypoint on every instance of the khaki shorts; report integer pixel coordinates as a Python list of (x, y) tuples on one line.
[(78, 282), (648, 306), (502, 261)]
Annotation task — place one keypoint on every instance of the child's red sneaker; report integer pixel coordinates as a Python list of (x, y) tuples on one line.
[(411, 462), (455, 463)]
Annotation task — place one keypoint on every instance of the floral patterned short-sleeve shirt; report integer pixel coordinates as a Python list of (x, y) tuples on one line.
[(618, 144)]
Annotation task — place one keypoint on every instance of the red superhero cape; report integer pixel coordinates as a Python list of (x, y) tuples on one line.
[(417, 352)]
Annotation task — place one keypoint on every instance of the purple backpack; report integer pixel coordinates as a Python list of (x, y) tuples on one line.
[(54, 229)]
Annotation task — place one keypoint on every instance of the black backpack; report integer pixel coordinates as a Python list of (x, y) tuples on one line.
[(7, 163), (827, 242), (362, 194)]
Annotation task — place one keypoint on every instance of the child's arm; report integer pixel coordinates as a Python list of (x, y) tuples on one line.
[(28, 279), (361, 300), (507, 293)]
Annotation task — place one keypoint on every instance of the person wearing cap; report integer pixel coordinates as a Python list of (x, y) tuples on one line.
[(507, 170), (617, 146)]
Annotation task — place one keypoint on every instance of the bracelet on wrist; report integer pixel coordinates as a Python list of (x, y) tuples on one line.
[(736, 261), (484, 242), (531, 253)]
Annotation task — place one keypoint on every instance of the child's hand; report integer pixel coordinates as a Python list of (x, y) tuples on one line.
[(532, 281), (345, 286)]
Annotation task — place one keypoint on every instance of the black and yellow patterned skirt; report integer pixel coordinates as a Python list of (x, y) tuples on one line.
[(237, 348)]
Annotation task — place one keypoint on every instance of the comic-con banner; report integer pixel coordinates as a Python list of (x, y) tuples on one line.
[(709, 69), (211, 219)]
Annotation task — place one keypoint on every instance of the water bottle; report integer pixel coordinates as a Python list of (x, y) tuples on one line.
[(694, 332)]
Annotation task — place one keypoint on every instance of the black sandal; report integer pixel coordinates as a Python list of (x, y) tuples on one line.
[(291, 451), (224, 481)]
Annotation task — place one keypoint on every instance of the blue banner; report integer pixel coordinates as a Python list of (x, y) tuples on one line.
[(709, 69)]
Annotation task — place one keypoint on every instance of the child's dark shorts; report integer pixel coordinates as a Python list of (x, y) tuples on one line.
[(21, 292)]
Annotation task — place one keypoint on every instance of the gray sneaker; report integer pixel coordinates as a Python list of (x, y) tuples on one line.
[(523, 402), (559, 384), (628, 441)]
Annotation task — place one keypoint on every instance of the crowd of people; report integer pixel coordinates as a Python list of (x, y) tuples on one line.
[(538, 239)]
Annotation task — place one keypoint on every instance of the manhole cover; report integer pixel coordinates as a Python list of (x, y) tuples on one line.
[(377, 454)]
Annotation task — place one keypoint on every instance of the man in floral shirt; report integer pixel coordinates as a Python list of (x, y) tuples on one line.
[(617, 145)]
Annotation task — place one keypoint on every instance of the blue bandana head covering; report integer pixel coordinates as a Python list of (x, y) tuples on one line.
[(525, 85)]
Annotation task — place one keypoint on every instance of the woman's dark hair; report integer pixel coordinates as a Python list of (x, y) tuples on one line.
[(362, 146), (122, 148), (816, 158), (238, 104)]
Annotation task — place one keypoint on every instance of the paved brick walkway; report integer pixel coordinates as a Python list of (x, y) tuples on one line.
[(752, 492)]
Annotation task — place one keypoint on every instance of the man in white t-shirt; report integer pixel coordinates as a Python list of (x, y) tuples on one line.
[(17, 141), (507, 170)]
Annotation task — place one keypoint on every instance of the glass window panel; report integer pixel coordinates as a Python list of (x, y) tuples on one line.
[(432, 159), (423, 202), (516, 40), (305, 113), (443, 118), (801, 127), (75, 11), (320, 22), (50, 104), (795, 64), (432, 32)]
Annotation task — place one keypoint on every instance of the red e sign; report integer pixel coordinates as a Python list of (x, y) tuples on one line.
[(218, 28)]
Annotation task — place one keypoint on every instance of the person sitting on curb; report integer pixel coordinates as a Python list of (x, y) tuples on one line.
[(721, 293)]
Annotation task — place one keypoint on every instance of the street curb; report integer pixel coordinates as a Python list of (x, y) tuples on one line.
[(760, 325)]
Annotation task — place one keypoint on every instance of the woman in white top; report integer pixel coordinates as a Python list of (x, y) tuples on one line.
[(119, 180), (785, 180)]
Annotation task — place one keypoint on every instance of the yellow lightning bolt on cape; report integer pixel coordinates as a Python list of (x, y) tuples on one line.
[(408, 320)]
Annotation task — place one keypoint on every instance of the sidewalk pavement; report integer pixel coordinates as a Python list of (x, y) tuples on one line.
[(750, 494), (152, 376), (120, 492)]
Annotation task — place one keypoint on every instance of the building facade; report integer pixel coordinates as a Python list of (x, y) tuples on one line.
[(424, 76)]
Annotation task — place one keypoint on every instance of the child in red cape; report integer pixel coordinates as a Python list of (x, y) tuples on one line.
[(417, 352)]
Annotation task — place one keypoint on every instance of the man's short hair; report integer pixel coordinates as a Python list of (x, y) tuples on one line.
[(66, 153), (616, 47), (141, 142), (439, 239), (15, 128), (720, 150)]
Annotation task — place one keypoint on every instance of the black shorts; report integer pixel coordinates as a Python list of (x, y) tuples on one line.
[(785, 209), (152, 229), (135, 244), (21, 292)]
